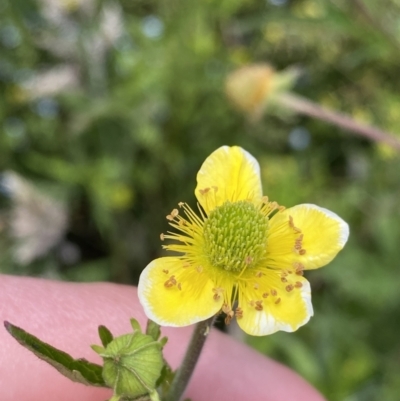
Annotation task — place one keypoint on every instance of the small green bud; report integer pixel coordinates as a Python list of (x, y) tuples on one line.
[(132, 364)]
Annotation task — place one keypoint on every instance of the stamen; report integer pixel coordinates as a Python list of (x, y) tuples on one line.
[(298, 242), (180, 204), (291, 224), (239, 313), (162, 237), (217, 293), (277, 301), (298, 267), (289, 288), (204, 191), (248, 260), (226, 308), (229, 317), (258, 306), (265, 295), (297, 284), (170, 282)]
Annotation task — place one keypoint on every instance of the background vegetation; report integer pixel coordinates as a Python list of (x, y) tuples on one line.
[(108, 108)]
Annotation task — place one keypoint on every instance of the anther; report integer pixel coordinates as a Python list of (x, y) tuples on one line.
[(256, 286), (277, 301), (291, 224), (229, 317), (248, 260), (258, 306), (302, 252), (215, 188), (217, 293), (298, 267), (179, 286), (170, 282), (199, 269), (284, 280), (297, 284), (265, 295), (239, 313), (259, 274), (204, 191), (162, 237), (289, 288), (264, 199), (226, 308), (174, 213), (180, 204), (274, 293), (165, 271)]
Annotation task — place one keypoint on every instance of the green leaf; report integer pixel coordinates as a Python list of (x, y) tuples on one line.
[(77, 370), (153, 329), (105, 335)]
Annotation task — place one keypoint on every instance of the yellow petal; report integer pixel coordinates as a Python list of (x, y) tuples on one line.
[(320, 233), (272, 307), (175, 295), (228, 174)]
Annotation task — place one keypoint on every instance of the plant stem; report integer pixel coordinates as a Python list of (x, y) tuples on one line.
[(189, 362), (304, 106)]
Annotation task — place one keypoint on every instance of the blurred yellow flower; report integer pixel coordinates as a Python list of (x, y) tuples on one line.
[(242, 254), (254, 87), (248, 87)]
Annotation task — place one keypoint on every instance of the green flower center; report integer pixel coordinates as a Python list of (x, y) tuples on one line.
[(235, 236)]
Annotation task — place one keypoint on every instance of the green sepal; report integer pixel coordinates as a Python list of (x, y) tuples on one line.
[(77, 370), (98, 349), (153, 329), (135, 325), (165, 379), (105, 335)]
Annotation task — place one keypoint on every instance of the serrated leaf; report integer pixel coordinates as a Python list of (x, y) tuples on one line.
[(77, 370), (153, 329), (105, 335)]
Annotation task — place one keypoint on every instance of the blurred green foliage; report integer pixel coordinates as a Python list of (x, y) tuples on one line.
[(110, 107)]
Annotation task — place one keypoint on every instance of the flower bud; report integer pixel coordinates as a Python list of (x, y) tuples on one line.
[(252, 87), (132, 364)]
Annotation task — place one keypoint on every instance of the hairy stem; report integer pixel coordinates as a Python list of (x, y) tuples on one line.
[(304, 106), (189, 362)]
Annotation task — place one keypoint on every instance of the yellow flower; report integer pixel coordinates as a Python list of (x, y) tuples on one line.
[(241, 254)]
